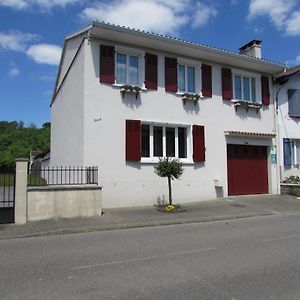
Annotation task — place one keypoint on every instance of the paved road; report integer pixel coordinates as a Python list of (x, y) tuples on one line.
[(257, 258)]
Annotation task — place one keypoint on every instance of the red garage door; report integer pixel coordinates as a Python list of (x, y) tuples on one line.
[(247, 170)]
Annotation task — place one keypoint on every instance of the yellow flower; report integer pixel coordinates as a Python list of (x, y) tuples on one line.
[(170, 208)]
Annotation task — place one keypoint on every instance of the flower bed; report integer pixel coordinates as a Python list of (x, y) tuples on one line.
[(169, 208)]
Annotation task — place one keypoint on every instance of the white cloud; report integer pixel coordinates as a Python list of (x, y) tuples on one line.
[(44, 5), (45, 54), (161, 16), (280, 12), (14, 72), (15, 40), (203, 14), (293, 24), (293, 62), (16, 4)]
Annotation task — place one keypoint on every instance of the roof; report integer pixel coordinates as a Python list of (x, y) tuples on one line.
[(284, 76), (146, 39)]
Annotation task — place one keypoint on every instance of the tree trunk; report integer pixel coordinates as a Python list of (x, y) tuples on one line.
[(170, 190)]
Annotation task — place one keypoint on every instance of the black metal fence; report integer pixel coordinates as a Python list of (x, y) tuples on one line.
[(7, 197), (62, 176)]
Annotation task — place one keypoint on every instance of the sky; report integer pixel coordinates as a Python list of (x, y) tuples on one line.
[(32, 33)]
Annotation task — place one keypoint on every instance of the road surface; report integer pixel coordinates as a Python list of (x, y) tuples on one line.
[(257, 258)]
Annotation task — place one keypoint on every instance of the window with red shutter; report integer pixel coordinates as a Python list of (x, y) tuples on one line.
[(133, 140), (198, 143), (171, 74), (226, 84), (151, 71), (107, 64), (265, 91), (206, 81)]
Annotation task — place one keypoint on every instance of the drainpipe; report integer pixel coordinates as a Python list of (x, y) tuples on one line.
[(277, 137)]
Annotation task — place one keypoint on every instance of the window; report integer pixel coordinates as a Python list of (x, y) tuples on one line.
[(291, 151), (294, 103), (160, 141), (186, 79), (244, 88), (127, 69)]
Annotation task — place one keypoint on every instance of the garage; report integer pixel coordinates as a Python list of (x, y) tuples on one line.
[(247, 169)]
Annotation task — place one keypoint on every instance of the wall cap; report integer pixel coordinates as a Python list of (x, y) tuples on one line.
[(21, 160), (63, 187)]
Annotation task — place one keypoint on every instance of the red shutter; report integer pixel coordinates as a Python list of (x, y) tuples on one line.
[(170, 74), (107, 64), (151, 71), (206, 81), (198, 143), (265, 92), (226, 84), (133, 140)]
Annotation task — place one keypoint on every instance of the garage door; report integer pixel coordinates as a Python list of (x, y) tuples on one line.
[(247, 169)]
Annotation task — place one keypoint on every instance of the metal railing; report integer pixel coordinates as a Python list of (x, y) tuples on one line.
[(7, 190), (62, 176)]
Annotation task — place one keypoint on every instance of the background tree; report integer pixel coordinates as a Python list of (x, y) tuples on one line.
[(170, 168), (16, 141)]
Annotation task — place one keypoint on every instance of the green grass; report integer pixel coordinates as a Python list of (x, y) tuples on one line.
[(8, 180)]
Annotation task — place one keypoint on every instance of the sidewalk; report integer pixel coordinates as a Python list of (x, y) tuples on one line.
[(212, 210)]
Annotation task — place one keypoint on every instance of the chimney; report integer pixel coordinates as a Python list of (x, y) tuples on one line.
[(253, 48)]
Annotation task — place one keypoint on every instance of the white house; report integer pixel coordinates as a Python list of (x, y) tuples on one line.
[(288, 115), (125, 97)]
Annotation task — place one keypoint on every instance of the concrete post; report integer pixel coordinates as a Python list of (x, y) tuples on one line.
[(21, 191)]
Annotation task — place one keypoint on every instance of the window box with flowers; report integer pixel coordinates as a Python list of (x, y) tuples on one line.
[(191, 97), (132, 89), (247, 105)]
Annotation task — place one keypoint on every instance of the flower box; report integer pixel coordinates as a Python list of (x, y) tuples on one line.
[(191, 97), (247, 105), (130, 89)]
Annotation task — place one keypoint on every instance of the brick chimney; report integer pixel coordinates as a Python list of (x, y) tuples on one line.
[(252, 48)]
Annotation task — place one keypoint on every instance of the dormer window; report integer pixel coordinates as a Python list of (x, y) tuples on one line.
[(127, 69)]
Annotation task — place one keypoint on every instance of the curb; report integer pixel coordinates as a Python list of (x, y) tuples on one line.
[(122, 226)]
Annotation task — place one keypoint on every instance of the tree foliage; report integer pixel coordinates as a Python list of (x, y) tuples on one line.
[(170, 168), (16, 141)]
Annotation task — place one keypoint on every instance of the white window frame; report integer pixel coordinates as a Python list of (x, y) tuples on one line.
[(141, 64), (294, 157), (258, 95), (152, 158), (242, 89), (197, 67)]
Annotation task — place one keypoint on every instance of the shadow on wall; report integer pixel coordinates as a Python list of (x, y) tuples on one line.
[(131, 100)]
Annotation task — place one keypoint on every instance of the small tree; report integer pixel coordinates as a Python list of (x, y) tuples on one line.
[(171, 168)]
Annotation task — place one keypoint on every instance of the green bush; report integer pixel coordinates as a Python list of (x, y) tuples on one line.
[(292, 179)]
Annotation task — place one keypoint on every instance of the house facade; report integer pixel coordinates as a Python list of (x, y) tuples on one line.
[(288, 116), (124, 98)]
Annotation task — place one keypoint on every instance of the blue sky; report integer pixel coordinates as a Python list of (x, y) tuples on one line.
[(32, 34)]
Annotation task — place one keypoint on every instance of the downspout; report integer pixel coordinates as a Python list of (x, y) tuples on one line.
[(277, 137)]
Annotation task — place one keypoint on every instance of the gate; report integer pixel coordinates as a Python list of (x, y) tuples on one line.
[(7, 198)]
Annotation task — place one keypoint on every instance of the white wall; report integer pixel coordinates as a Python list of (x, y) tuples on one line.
[(129, 183), (67, 123), (288, 127)]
